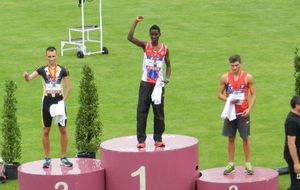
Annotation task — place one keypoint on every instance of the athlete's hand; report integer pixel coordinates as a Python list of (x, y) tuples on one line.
[(297, 168), (139, 18), (166, 81), (246, 112), (234, 101), (26, 76)]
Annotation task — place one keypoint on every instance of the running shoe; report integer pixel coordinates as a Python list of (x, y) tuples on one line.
[(159, 144), (65, 162), (249, 170), (141, 145), (229, 170), (47, 162)]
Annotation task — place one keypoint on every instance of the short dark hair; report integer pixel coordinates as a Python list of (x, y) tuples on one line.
[(295, 100), (154, 27), (235, 58), (50, 48)]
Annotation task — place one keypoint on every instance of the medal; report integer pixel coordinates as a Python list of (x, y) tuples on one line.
[(53, 84), (52, 78)]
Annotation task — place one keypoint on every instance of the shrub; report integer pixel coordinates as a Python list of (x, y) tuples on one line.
[(88, 126), (11, 141)]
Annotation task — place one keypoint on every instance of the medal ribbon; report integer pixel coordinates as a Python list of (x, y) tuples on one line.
[(154, 54), (52, 77)]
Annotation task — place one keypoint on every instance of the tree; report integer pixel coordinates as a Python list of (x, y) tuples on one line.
[(11, 141), (88, 126), (297, 72)]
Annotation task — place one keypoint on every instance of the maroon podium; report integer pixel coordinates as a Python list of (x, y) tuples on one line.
[(174, 167), (262, 179), (86, 174)]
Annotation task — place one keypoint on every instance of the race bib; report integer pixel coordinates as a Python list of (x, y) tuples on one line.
[(238, 95)]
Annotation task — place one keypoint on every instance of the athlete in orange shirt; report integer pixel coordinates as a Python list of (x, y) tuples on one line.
[(237, 82)]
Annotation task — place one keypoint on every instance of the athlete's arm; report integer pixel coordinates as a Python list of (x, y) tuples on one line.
[(67, 88), (29, 77), (168, 67), (221, 88), (293, 152), (250, 83), (130, 36)]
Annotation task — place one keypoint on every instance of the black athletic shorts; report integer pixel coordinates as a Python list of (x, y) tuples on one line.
[(242, 124), (46, 103)]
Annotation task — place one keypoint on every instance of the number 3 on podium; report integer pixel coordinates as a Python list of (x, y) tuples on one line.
[(233, 187), (142, 173), (64, 184)]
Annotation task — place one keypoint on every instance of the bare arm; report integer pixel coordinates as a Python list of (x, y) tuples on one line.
[(130, 36), (168, 69), (221, 88), (293, 152), (28, 77), (250, 83), (67, 89), (252, 91)]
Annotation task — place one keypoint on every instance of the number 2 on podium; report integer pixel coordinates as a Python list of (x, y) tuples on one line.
[(142, 173)]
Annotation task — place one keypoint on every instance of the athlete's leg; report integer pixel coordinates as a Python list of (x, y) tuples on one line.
[(47, 119), (246, 146), (244, 130), (142, 110), (63, 140), (231, 148), (46, 141), (229, 130), (159, 120)]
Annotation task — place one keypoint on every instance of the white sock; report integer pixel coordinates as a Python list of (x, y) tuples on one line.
[(248, 164), (231, 164)]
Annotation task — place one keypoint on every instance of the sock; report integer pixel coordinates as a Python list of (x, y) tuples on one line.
[(248, 164), (231, 164)]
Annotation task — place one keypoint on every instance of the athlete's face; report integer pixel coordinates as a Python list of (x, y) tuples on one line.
[(297, 108), (154, 35), (51, 57), (235, 66)]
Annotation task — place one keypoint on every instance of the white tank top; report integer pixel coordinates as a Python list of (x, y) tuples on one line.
[(153, 63)]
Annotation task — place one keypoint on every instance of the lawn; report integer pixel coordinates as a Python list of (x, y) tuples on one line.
[(200, 34)]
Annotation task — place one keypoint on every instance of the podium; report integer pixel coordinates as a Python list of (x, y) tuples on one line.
[(262, 179), (174, 167), (86, 174), (125, 167)]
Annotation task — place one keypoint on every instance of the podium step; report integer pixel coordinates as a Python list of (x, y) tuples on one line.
[(262, 179), (86, 174), (174, 167)]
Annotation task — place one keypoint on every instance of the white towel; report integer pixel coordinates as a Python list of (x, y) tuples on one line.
[(229, 109), (58, 111), (157, 92)]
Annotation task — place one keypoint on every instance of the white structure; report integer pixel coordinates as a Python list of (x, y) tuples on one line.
[(79, 44)]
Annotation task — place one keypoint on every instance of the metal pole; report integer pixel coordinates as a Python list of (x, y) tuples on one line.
[(101, 29), (82, 26)]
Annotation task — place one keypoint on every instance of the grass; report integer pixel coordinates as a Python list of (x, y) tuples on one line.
[(201, 35)]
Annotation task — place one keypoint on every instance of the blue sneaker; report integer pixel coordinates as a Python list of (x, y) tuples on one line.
[(47, 162), (65, 162)]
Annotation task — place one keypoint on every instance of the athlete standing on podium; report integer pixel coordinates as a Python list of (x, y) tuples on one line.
[(52, 77), (155, 54), (237, 83)]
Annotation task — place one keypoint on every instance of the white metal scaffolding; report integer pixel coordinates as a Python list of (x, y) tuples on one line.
[(79, 44)]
